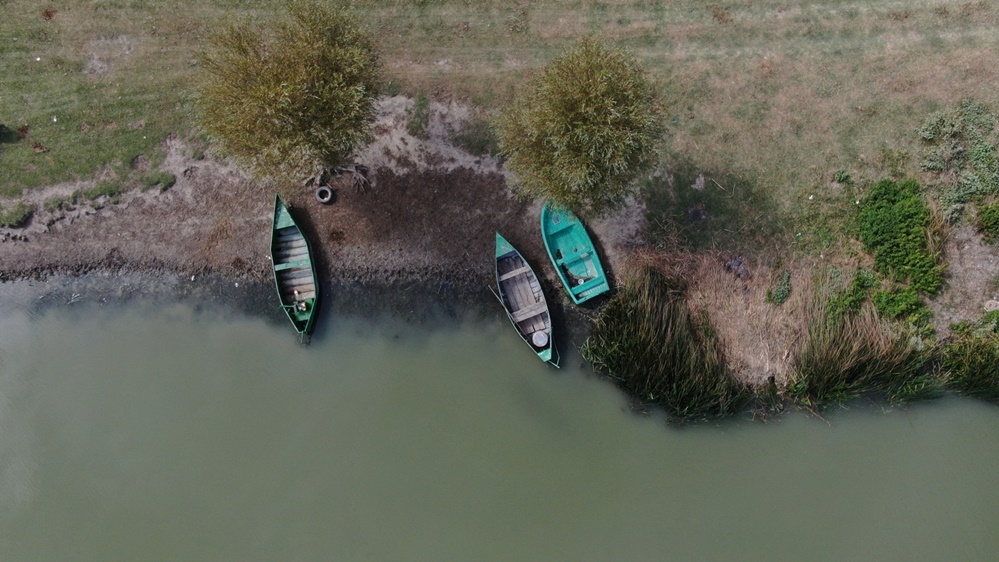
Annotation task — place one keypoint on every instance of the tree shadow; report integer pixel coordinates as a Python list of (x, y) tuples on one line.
[(701, 209)]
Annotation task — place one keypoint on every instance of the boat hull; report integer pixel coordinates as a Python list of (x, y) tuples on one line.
[(294, 271), (573, 254), (524, 301)]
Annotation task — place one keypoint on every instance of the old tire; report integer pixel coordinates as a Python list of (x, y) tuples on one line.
[(324, 194)]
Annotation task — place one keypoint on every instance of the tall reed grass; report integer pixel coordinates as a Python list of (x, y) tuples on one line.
[(649, 343), (969, 360), (846, 355)]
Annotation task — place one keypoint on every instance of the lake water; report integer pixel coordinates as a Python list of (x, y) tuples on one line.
[(166, 431)]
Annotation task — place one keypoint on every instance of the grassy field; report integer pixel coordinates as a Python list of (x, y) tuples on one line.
[(769, 99)]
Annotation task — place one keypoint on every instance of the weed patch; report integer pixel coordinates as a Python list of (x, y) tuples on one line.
[(781, 290), (894, 219), (477, 137), (961, 147)]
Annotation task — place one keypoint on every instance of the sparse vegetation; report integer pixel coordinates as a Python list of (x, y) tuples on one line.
[(584, 129), (648, 342), (477, 137), (893, 226), (292, 97), (419, 117), (162, 180)]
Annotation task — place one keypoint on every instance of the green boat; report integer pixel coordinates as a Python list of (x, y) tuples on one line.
[(294, 271), (524, 301), (572, 253)]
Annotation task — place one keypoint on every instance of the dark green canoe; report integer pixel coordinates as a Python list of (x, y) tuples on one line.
[(294, 271), (573, 254), (524, 301)]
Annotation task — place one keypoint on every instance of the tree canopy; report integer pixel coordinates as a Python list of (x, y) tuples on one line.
[(584, 129), (299, 94)]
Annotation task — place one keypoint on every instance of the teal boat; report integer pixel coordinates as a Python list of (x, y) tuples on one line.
[(524, 301), (572, 253), (294, 271)]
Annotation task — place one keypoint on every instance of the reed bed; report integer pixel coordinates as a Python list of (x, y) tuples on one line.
[(969, 360), (851, 354), (649, 343)]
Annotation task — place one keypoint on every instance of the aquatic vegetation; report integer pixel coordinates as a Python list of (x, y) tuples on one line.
[(648, 341)]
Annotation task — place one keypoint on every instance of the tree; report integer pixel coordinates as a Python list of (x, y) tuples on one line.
[(291, 98), (584, 130)]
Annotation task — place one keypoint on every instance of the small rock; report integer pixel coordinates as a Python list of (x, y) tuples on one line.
[(991, 306)]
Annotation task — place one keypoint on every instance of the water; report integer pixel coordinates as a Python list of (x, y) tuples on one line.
[(166, 432)]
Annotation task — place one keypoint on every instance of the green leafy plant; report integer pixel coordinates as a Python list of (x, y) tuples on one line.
[(781, 290), (648, 342), (852, 298), (584, 129), (841, 176), (902, 303), (299, 94), (893, 226)]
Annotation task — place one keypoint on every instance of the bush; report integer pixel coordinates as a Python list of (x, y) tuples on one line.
[(893, 226), (647, 341), (902, 304), (988, 222), (583, 130), (299, 95)]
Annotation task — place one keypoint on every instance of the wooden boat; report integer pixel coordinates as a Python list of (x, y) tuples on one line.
[(573, 254), (524, 301), (294, 271)]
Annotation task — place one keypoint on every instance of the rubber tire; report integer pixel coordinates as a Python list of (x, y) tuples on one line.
[(324, 194)]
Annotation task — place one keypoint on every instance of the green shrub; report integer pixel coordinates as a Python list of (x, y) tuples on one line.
[(16, 216), (893, 226), (988, 222), (781, 290), (647, 341), (841, 176), (419, 117), (902, 304), (852, 298)]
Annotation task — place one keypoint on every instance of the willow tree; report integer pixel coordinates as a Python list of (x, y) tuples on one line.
[(584, 129), (294, 96)]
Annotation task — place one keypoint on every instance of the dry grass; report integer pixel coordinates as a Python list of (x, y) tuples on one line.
[(759, 337)]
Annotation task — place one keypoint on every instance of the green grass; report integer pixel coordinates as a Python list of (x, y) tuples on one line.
[(988, 221), (419, 117), (779, 96), (648, 342), (16, 215), (477, 137)]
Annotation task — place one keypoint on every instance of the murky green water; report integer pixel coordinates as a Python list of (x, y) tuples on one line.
[(161, 433)]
